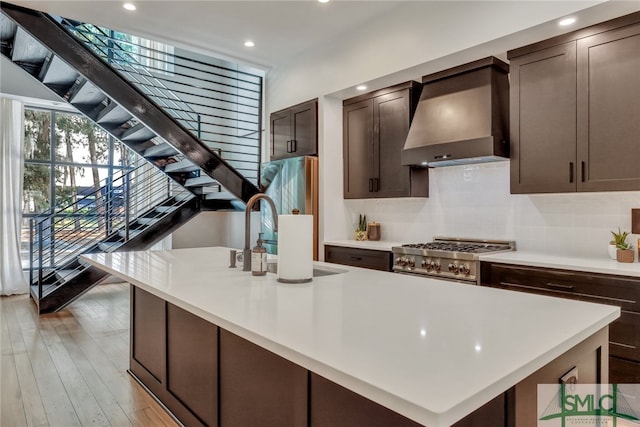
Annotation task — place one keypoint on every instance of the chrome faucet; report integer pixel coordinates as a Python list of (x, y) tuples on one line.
[(246, 253)]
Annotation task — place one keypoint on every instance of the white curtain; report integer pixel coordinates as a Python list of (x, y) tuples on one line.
[(12, 280)]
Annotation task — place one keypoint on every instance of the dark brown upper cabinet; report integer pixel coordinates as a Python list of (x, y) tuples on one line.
[(375, 127), (294, 131), (575, 103)]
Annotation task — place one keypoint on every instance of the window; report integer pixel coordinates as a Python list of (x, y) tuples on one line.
[(67, 158)]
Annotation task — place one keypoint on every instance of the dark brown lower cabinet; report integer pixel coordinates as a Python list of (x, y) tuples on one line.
[(621, 291), (175, 355), (356, 257), (335, 406), (259, 388)]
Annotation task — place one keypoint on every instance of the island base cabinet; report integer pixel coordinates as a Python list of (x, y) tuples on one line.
[(335, 406), (258, 387), (623, 371), (174, 354)]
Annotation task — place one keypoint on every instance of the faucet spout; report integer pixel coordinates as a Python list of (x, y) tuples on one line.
[(246, 253)]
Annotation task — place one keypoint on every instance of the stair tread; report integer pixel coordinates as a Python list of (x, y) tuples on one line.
[(166, 209), (7, 28), (132, 233), (27, 49), (113, 113), (109, 246), (58, 72), (184, 165), (220, 195), (147, 220), (138, 133), (66, 275), (201, 180), (85, 93), (160, 150)]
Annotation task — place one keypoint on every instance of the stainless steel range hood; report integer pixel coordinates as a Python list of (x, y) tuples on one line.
[(462, 116)]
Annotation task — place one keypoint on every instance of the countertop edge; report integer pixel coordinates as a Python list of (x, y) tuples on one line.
[(579, 264)]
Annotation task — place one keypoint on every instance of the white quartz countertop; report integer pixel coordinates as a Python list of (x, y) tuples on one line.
[(589, 265), (431, 350), (378, 245)]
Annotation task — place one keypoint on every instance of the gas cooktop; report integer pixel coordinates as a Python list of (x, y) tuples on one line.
[(446, 257)]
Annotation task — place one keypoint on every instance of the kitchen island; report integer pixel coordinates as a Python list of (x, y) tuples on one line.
[(430, 351)]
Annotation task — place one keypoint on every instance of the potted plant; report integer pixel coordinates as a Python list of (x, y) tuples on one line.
[(361, 231), (624, 251)]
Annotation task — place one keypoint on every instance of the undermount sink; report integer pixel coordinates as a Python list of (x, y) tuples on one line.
[(272, 267)]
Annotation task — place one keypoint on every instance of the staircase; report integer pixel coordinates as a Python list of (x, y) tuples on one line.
[(197, 177)]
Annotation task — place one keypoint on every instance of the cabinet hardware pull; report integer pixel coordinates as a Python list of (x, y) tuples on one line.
[(289, 146), (570, 171), (370, 185), (294, 145), (376, 184), (356, 258), (582, 171), (632, 347), (559, 286)]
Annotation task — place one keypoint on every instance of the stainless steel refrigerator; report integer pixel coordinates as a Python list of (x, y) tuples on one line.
[(292, 184)]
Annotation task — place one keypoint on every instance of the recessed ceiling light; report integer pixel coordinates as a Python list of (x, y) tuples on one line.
[(249, 43), (567, 21), (129, 6), (361, 87), (323, 1)]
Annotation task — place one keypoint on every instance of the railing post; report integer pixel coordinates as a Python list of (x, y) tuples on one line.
[(31, 227), (127, 204), (40, 260)]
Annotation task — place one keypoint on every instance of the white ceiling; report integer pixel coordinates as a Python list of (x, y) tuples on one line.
[(280, 29)]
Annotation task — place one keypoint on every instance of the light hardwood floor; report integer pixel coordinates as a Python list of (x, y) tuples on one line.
[(69, 368)]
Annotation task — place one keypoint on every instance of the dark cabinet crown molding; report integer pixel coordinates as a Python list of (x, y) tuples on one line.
[(592, 30)]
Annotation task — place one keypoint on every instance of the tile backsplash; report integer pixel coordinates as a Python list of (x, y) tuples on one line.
[(474, 201)]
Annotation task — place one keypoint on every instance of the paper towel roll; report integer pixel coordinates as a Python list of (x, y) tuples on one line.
[(295, 248)]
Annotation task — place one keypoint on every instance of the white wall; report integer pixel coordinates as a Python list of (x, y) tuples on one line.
[(213, 228), (423, 37), (474, 201)]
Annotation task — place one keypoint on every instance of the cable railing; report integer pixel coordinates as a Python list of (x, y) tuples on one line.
[(118, 212), (218, 102)]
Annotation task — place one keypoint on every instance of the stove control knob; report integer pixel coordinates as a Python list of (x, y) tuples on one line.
[(400, 261), (464, 269), (453, 268), (411, 262), (425, 264), (435, 265)]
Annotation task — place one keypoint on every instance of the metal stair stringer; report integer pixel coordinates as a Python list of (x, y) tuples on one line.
[(48, 32)]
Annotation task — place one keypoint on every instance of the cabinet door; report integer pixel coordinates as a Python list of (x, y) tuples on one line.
[(280, 134), (358, 149), (543, 121), (335, 406), (148, 338), (192, 367), (609, 110), (304, 129), (259, 388), (391, 126)]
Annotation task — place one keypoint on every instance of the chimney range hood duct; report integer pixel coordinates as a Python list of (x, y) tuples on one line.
[(462, 116)]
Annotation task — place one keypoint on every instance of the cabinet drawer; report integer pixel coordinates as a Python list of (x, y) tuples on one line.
[(623, 371), (623, 292), (366, 258), (624, 336)]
